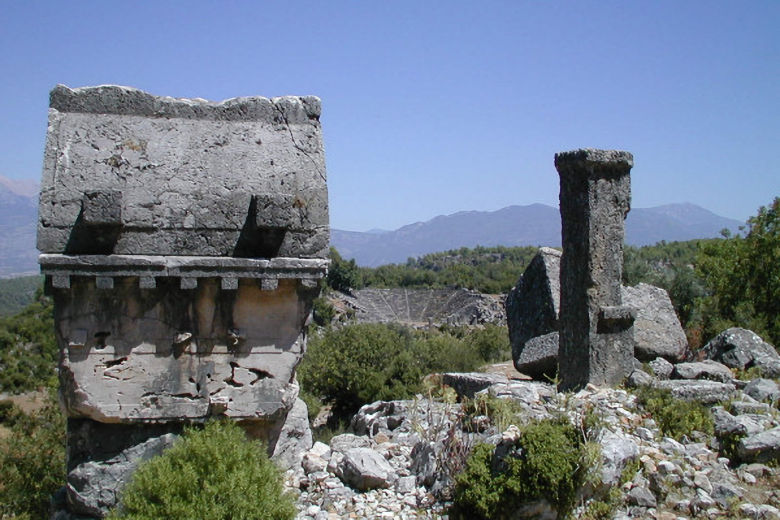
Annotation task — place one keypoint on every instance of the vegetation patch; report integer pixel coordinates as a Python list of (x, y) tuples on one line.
[(362, 363), (547, 462), (32, 460), (213, 473), (28, 350), (675, 418)]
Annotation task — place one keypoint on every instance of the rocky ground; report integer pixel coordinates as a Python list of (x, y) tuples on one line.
[(397, 459)]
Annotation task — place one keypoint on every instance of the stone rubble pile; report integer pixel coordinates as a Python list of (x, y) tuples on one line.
[(398, 460)]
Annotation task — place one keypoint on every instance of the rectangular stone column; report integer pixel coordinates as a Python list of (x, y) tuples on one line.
[(596, 339)]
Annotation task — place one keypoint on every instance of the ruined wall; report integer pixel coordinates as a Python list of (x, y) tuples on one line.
[(182, 242)]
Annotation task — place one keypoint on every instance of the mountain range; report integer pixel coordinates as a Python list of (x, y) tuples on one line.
[(532, 225), (18, 222)]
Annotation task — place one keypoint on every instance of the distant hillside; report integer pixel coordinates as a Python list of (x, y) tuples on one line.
[(18, 220), (533, 225), (17, 293)]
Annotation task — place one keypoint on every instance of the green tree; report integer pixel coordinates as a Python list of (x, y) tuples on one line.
[(743, 277), (343, 275), (213, 473)]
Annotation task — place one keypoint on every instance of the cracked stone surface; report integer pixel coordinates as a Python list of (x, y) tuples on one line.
[(133, 166), (171, 353)]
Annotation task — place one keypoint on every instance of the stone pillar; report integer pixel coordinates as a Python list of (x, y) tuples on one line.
[(596, 339)]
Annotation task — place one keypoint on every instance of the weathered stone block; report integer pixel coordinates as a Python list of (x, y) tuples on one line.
[(596, 341), (533, 306), (142, 162), (657, 330)]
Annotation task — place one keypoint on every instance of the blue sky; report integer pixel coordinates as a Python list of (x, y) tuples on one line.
[(435, 107)]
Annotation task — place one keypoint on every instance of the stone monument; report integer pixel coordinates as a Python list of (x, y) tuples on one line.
[(182, 241), (596, 329)]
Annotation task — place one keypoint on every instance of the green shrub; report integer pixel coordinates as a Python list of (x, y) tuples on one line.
[(549, 461), (501, 412), (490, 342), (323, 311), (213, 473), (675, 417), (9, 413), (32, 462), (362, 363)]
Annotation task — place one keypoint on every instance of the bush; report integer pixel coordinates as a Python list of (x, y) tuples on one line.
[(548, 461), (363, 363), (213, 473), (675, 417), (32, 459), (491, 342)]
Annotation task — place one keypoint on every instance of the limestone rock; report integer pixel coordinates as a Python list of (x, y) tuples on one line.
[(640, 496), (763, 390), (295, 437), (93, 487), (617, 450), (657, 330), (364, 468), (761, 447), (346, 441), (424, 463), (639, 378), (662, 369), (707, 369), (742, 348)]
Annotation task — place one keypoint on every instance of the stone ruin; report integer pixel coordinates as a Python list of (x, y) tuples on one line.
[(182, 242), (597, 336), (566, 315)]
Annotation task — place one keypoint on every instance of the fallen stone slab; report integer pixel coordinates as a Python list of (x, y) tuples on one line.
[(708, 369), (706, 392), (533, 305), (469, 383)]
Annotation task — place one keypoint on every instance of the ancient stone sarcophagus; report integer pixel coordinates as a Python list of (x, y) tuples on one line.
[(182, 241)]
